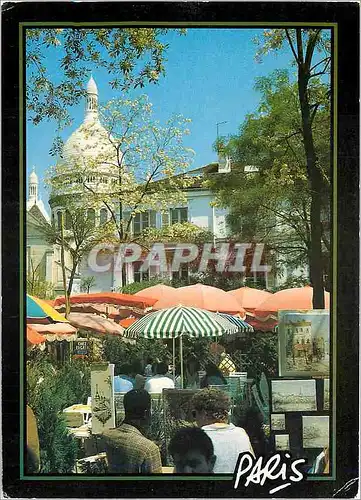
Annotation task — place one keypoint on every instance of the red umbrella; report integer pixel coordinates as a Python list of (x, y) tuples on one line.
[(291, 299), (118, 299), (203, 297), (250, 298), (95, 323)]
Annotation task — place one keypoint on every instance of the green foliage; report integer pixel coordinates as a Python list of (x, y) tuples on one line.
[(272, 204), (135, 287), (87, 283), (49, 391), (291, 282), (118, 352), (261, 351), (36, 284), (132, 57)]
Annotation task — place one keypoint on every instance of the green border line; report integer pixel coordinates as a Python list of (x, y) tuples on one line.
[(175, 24), (21, 242)]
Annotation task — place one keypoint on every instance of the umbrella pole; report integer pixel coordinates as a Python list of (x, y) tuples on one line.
[(173, 342), (181, 358)]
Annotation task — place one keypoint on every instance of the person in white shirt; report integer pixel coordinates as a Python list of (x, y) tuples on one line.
[(160, 381), (211, 410)]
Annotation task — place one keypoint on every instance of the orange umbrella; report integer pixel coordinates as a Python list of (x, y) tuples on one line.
[(119, 299), (250, 298), (203, 297), (127, 322), (289, 299), (156, 292), (95, 323), (33, 337)]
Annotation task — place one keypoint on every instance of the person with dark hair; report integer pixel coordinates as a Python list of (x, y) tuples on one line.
[(122, 381), (139, 379), (160, 381), (211, 411), (252, 423), (213, 376), (128, 450), (192, 451), (191, 373)]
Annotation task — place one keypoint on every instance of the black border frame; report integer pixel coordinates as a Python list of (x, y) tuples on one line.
[(347, 16)]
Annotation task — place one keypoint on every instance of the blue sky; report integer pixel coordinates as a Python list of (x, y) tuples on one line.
[(210, 75)]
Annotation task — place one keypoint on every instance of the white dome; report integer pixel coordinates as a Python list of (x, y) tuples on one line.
[(92, 88), (90, 140)]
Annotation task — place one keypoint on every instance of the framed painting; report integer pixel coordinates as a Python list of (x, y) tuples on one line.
[(304, 343), (293, 395)]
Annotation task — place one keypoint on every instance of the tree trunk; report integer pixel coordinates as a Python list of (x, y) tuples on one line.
[(71, 279), (315, 179), (62, 260)]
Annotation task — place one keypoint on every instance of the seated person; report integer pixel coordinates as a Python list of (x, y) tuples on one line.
[(122, 381), (128, 451), (213, 376), (160, 381), (211, 408), (192, 451)]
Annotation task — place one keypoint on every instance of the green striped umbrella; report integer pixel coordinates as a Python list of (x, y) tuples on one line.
[(178, 321)]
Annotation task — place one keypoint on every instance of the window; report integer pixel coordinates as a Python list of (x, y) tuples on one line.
[(103, 216), (143, 220), (91, 216), (183, 272), (67, 220), (178, 215), (139, 276), (59, 216), (165, 218)]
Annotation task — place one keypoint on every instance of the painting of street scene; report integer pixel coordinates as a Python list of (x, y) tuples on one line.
[(293, 395), (315, 431), (278, 422), (304, 343), (282, 442), (326, 394)]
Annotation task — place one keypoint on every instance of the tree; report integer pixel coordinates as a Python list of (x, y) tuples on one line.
[(76, 234), (132, 57), (310, 49), (271, 203), (87, 283), (134, 168), (36, 284)]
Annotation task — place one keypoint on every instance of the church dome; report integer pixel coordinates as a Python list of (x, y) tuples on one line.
[(91, 140)]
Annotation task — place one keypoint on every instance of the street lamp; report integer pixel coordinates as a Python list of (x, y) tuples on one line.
[(218, 124)]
